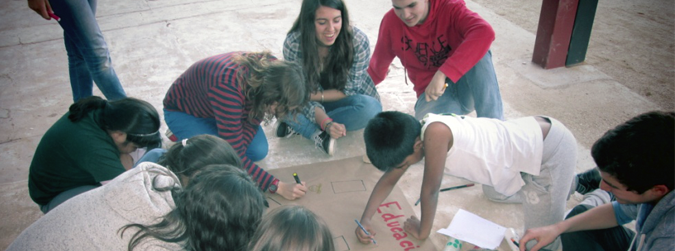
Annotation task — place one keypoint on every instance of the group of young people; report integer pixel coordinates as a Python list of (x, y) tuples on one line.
[(196, 198), (323, 88)]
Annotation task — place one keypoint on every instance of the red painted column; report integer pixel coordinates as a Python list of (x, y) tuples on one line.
[(554, 32)]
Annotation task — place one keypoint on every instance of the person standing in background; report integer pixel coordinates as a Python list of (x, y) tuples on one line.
[(88, 56)]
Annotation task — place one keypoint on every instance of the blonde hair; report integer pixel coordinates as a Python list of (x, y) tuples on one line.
[(267, 81)]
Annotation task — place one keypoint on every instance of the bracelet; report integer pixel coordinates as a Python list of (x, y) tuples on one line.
[(321, 96), (274, 186), (328, 125), (324, 121)]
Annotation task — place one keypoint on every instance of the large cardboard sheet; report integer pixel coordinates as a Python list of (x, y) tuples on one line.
[(338, 193)]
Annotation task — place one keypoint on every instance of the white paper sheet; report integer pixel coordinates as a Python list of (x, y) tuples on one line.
[(473, 229)]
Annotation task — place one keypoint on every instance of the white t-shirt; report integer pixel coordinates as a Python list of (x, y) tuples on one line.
[(491, 151)]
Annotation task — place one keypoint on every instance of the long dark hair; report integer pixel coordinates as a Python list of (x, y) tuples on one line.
[(199, 151), (341, 53), (267, 81), (218, 210), (135, 117)]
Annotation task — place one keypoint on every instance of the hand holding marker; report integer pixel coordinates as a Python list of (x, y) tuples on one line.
[(364, 230), (297, 179), (448, 189)]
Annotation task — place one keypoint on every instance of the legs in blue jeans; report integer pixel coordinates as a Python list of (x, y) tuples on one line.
[(185, 126), (353, 111), (258, 148), (152, 156), (477, 90), (88, 56)]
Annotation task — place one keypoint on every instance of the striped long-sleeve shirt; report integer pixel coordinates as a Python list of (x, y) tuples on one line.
[(210, 89)]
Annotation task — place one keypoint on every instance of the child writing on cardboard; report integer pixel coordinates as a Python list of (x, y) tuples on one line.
[(532, 158)]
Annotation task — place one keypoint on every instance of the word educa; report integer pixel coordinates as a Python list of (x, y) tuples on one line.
[(394, 226)]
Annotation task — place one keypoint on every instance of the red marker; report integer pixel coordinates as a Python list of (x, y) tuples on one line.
[(55, 17), (515, 242)]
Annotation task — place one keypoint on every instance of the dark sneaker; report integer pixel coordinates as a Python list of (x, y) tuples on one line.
[(285, 131), (588, 181), (324, 142)]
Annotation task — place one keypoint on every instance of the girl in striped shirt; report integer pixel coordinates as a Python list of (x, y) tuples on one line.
[(229, 95)]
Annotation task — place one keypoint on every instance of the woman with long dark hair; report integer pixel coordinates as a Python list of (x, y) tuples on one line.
[(88, 146), (334, 56), (219, 209), (190, 155)]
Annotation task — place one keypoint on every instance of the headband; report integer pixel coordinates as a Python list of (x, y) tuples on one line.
[(143, 134)]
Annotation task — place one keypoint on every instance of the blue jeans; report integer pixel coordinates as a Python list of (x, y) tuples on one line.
[(185, 126), (353, 111), (88, 56), (152, 156), (477, 90), (614, 238)]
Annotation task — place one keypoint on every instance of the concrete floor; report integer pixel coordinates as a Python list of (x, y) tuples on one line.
[(152, 42)]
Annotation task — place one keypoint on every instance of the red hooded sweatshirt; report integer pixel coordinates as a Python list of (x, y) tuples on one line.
[(452, 39)]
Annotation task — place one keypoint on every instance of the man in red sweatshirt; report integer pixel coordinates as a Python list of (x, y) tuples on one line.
[(444, 48)]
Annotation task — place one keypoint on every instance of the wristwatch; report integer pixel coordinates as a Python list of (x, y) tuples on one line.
[(274, 186)]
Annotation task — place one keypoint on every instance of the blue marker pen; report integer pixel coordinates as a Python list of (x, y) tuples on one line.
[(364, 230)]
